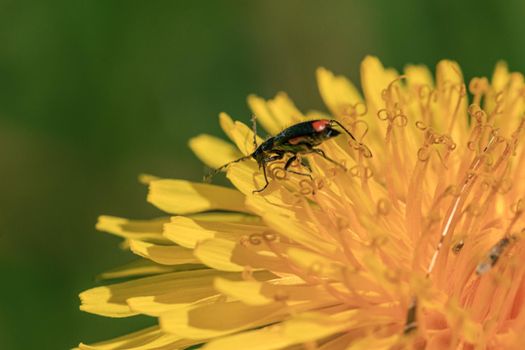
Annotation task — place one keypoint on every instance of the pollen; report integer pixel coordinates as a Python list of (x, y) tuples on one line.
[(407, 234)]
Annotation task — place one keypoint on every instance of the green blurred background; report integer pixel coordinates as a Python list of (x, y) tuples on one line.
[(92, 93)]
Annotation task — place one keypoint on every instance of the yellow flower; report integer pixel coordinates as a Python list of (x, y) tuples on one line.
[(419, 246)]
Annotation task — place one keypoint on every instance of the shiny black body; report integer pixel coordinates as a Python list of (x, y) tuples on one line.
[(298, 139)]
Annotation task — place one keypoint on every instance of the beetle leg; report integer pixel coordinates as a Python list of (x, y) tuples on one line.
[(322, 154), (207, 178), (289, 163), (262, 165), (272, 158), (265, 179)]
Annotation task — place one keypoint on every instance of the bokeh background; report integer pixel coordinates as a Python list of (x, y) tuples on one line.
[(93, 93)]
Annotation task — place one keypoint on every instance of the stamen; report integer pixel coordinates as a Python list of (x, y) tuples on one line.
[(394, 115), (421, 125), (361, 172), (276, 170), (501, 99), (364, 150), (258, 238), (455, 206), (462, 92), (424, 92), (388, 94), (383, 207), (423, 153), (517, 209), (307, 187), (400, 120), (434, 216), (353, 111), (353, 127), (346, 273), (478, 87), (473, 208), (427, 95), (383, 115)]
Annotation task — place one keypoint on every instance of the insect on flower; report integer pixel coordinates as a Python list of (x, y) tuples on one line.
[(420, 247), (294, 141)]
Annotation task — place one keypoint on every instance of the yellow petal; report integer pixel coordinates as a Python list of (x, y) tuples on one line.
[(249, 292), (300, 233), (155, 306), (315, 325), (262, 293), (268, 338), (147, 339), (186, 295), (136, 268), (337, 92), (501, 76), (187, 232), (506, 95), (226, 255), (277, 194), (246, 179), (239, 133), (208, 319), (316, 263), (344, 101), (146, 230), (226, 217), (145, 179), (384, 276), (276, 114), (375, 342), (111, 300), (213, 151), (304, 328), (374, 79), (418, 76), (134, 340), (184, 197), (267, 120), (452, 102), (216, 253), (340, 342), (165, 255)]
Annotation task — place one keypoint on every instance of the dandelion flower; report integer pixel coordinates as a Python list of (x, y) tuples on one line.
[(419, 246)]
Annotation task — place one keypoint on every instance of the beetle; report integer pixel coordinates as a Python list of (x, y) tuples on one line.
[(298, 139)]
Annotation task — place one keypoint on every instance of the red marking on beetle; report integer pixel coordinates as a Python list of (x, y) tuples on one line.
[(320, 125), (295, 140)]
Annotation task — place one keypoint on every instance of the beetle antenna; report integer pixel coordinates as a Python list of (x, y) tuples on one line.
[(214, 172), (366, 151), (254, 129), (345, 129)]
